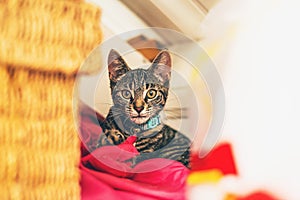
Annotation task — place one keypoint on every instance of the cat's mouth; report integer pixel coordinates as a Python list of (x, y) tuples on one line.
[(139, 119)]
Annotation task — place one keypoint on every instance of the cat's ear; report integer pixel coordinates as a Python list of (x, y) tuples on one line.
[(117, 67), (161, 67)]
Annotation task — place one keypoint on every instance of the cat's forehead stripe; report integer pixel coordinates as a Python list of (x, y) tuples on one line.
[(138, 79), (131, 85)]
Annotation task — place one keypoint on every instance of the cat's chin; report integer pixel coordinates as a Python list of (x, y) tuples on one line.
[(139, 120)]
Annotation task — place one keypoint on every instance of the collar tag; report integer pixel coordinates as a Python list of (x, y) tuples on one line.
[(152, 123)]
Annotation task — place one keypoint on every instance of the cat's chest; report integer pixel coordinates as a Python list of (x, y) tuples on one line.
[(147, 141), (155, 141)]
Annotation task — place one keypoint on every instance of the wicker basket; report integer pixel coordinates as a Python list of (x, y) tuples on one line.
[(43, 43)]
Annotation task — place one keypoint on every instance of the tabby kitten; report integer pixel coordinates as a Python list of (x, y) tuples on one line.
[(139, 96)]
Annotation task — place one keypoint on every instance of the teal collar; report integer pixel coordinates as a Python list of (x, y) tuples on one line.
[(133, 129), (151, 123)]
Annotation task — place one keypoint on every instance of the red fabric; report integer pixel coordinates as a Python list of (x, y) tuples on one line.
[(106, 172), (220, 158), (259, 195)]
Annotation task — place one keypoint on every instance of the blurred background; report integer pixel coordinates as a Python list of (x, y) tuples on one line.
[(254, 45)]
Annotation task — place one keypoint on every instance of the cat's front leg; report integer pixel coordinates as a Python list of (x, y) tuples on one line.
[(111, 137)]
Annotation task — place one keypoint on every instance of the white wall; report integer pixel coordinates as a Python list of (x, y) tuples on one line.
[(255, 45)]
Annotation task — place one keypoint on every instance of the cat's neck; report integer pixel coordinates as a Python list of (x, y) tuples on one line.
[(151, 126), (151, 123)]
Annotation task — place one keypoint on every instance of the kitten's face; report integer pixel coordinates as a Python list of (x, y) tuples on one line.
[(139, 94)]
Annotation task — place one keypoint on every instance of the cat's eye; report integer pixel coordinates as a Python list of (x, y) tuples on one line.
[(151, 94), (126, 94)]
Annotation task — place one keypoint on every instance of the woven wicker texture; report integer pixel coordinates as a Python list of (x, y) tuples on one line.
[(35, 94), (43, 43), (60, 33)]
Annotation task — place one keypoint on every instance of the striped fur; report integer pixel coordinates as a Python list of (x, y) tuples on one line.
[(139, 95)]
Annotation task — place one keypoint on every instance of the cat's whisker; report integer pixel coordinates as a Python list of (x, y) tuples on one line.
[(126, 119), (173, 111), (117, 113), (176, 107), (172, 101), (117, 109), (104, 103)]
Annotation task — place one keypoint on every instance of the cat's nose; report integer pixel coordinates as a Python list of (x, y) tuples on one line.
[(139, 109)]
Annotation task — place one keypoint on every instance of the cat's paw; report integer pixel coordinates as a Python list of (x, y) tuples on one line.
[(111, 137), (115, 137)]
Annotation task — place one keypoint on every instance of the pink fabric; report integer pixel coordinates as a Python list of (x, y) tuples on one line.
[(106, 172)]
